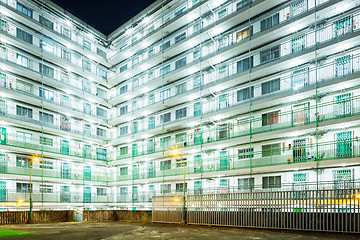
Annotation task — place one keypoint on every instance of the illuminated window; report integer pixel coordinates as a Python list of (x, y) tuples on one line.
[(87, 44), (270, 86), (46, 22), (46, 94), (270, 118), (271, 182), (269, 22), (25, 10), (46, 70), (222, 13)]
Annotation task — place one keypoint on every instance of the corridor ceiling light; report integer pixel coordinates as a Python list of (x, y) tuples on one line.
[(145, 89), (297, 97), (4, 68), (217, 117), (191, 70), (217, 30), (146, 20), (4, 12), (91, 36), (68, 22), (342, 8), (296, 28), (193, 151), (217, 3), (145, 66), (191, 16), (342, 47), (192, 124), (146, 112), (127, 54), (218, 59), (191, 43), (146, 44), (69, 45), (128, 140), (343, 86), (294, 133), (192, 97), (128, 31), (127, 119)]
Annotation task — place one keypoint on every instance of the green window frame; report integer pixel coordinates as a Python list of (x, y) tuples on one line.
[(343, 105), (344, 144), (87, 195), (224, 182), (2, 80), (224, 160), (87, 173), (3, 164), (124, 171), (298, 44), (87, 151), (65, 194), (151, 124), (65, 170), (65, 147), (135, 149), (197, 109), (3, 191), (198, 163), (101, 154), (198, 136), (299, 177), (222, 13)]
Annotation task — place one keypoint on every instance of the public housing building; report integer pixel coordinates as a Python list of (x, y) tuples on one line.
[(255, 95)]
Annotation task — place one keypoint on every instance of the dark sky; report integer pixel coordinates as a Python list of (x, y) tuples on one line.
[(104, 15)]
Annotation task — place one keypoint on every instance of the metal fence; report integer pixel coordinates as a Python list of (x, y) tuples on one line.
[(167, 209), (314, 210)]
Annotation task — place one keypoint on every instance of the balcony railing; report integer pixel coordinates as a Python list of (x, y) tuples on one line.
[(307, 115), (286, 155)]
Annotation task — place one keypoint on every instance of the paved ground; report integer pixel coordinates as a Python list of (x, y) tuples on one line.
[(134, 231)]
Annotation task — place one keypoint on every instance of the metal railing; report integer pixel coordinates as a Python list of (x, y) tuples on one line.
[(167, 209), (335, 210)]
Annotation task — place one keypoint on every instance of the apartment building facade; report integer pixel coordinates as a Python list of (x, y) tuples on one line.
[(254, 95)]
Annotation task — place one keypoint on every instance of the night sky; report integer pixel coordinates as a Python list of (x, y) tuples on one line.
[(104, 15)]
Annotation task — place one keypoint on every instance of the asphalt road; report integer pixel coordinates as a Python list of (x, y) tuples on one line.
[(135, 231)]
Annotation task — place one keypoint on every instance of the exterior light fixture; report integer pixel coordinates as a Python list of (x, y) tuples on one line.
[(128, 31)]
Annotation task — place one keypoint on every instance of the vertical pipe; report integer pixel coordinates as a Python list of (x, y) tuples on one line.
[(31, 202)]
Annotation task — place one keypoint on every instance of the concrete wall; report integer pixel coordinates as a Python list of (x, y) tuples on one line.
[(137, 216), (21, 217)]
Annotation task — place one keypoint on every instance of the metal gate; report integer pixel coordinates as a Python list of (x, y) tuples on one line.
[(314, 210), (167, 209)]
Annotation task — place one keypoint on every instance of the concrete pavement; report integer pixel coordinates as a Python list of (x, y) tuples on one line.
[(136, 231)]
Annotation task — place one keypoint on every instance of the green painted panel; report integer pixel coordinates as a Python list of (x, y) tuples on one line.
[(3, 136)]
